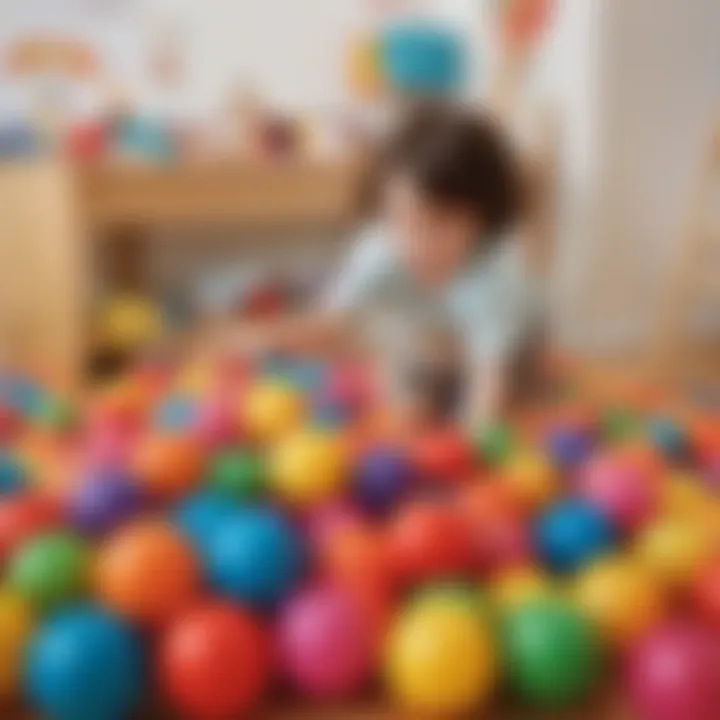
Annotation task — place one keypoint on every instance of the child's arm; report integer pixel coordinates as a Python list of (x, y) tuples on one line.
[(489, 392)]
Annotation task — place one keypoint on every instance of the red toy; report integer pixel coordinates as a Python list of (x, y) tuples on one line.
[(429, 542), (22, 517), (214, 662), (444, 456)]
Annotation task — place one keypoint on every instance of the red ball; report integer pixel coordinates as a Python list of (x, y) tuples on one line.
[(444, 456), (22, 517), (10, 424), (705, 594), (428, 542), (214, 662), (502, 542)]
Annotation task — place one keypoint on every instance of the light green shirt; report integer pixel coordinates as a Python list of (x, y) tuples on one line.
[(492, 304)]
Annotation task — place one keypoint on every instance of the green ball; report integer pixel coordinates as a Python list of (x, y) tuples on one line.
[(50, 571), (238, 474), (552, 654), (495, 443), (57, 414), (619, 424)]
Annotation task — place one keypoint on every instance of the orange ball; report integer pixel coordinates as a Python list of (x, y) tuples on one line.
[(645, 458), (147, 573), (429, 542), (531, 479), (168, 465), (484, 500), (356, 557)]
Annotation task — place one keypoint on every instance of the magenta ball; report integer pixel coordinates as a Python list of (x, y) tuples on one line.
[(325, 644), (621, 491), (674, 674)]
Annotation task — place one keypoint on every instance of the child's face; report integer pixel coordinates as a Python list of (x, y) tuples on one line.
[(433, 240)]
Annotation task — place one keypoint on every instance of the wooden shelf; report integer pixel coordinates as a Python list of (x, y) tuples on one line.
[(250, 194), (50, 212)]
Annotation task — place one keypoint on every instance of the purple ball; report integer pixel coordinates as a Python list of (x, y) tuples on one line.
[(570, 446), (674, 674), (103, 501), (381, 479)]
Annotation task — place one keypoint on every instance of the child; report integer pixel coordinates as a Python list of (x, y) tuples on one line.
[(438, 276)]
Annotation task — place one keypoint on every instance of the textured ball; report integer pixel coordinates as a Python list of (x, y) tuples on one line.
[(325, 643), (552, 655), (674, 674), (623, 599), (237, 474), (82, 665), (104, 501), (255, 557), (441, 658), (214, 662), (381, 479), (50, 571), (147, 573), (571, 534), (309, 467)]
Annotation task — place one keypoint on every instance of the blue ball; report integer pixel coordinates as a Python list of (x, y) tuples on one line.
[(569, 446), (12, 473), (421, 58), (381, 479), (198, 516), (669, 438), (22, 395), (571, 534), (84, 664), (255, 557), (176, 413)]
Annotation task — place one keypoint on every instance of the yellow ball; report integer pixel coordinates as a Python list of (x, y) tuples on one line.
[(622, 597), (271, 410), (128, 322), (683, 495), (673, 549), (441, 658), (531, 478), (309, 467), (16, 623), (517, 586)]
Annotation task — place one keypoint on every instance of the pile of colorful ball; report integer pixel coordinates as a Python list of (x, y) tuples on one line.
[(218, 538)]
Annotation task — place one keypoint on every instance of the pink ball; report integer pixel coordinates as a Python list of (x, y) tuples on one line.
[(621, 490), (110, 445), (216, 425), (325, 643), (675, 675), (711, 470), (349, 385), (324, 522)]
